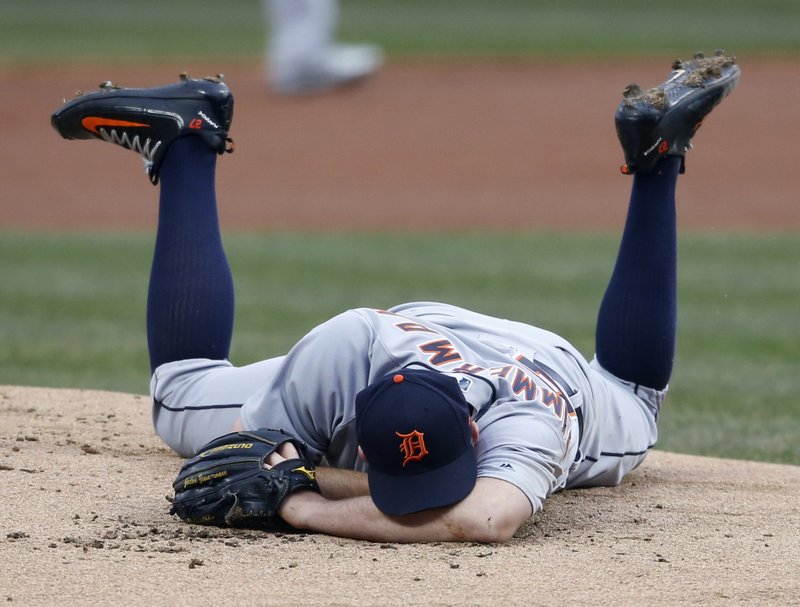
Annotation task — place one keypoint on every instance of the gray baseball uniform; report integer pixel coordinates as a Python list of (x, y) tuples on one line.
[(548, 419)]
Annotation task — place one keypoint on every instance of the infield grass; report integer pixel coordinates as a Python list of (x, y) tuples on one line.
[(72, 309)]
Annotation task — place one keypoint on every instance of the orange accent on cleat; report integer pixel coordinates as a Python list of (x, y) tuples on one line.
[(92, 123)]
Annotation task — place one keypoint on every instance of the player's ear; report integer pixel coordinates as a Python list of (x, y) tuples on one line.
[(473, 428), (361, 454)]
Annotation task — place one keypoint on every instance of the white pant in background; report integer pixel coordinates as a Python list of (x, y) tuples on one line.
[(302, 55)]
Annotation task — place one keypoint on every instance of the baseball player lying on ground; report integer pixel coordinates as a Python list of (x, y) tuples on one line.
[(423, 422)]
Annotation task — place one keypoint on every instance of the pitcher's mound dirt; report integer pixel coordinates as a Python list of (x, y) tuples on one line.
[(83, 480)]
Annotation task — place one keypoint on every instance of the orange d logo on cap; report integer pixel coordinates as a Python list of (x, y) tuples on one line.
[(413, 428), (412, 446)]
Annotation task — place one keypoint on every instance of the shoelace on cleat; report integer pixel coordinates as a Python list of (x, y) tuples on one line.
[(132, 143)]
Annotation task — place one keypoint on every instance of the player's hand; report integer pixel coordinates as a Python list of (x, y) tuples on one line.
[(286, 451), (241, 479), (289, 510)]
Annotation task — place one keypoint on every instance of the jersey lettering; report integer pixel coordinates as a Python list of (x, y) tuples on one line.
[(412, 327), (468, 368), (530, 381), (557, 398), (501, 371), (523, 384), (547, 374), (553, 400), (441, 351)]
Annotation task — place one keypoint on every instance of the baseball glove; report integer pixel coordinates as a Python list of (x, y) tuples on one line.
[(228, 484)]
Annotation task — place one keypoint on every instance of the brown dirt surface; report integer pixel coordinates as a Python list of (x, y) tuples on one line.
[(442, 146), (83, 480), (82, 475)]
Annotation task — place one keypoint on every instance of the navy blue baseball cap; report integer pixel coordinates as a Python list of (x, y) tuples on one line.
[(413, 427)]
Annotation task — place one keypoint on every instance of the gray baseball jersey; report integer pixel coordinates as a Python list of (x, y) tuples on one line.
[(548, 419)]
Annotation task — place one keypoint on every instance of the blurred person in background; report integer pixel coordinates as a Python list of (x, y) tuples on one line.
[(302, 54)]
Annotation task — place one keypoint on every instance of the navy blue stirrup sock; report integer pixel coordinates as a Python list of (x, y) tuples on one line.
[(190, 302), (636, 324)]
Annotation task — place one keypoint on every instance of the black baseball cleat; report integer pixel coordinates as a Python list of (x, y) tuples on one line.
[(148, 120), (662, 121)]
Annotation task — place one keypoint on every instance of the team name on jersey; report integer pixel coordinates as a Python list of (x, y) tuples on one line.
[(528, 379)]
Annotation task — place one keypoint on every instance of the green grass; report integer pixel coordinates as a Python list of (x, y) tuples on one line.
[(55, 30), (72, 306), (72, 310)]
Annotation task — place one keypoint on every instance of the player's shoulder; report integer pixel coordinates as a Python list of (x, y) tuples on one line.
[(357, 323), (352, 320), (422, 308), (372, 315)]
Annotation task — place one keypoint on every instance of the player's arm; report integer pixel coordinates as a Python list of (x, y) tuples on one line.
[(334, 483), (491, 513), (337, 484)]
